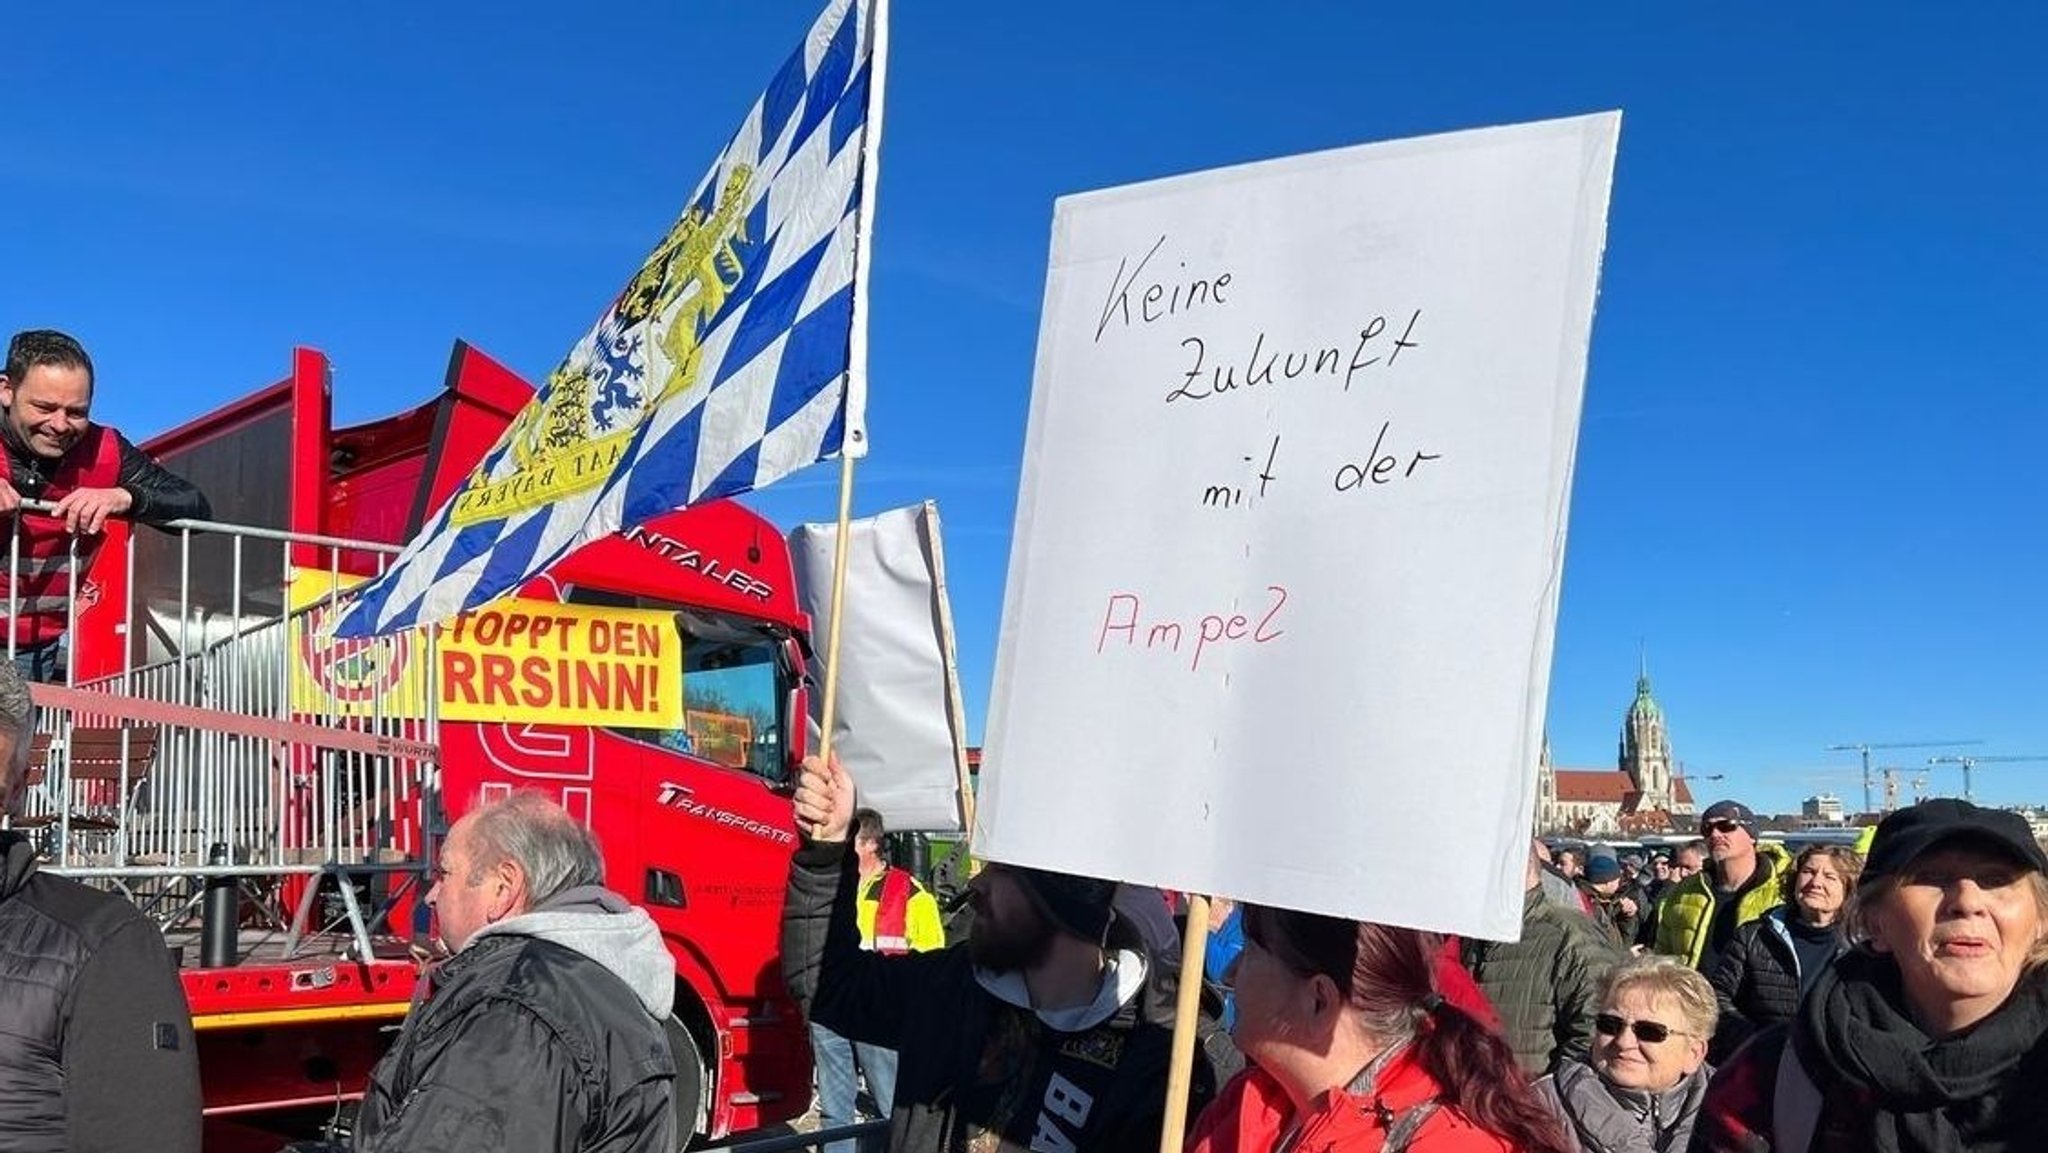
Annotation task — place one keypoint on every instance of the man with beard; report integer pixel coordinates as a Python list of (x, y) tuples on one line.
[(1699, 916), (55, 452), (1043, 1031)]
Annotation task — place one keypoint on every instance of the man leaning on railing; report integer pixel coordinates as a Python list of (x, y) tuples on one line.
[(88, 471)]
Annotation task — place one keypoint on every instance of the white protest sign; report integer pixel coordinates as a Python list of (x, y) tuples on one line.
[(896, 727), (1291, 525)]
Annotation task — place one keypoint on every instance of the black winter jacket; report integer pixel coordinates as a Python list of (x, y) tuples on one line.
[(96, 1048), (534, 1040), (1853, 1072), (160, 495), (969, 1060), (1756, 980)]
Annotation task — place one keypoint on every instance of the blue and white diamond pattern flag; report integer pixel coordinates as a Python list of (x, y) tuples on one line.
[(731, 359)]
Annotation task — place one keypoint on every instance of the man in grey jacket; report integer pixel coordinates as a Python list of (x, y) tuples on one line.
[(544, 1032)]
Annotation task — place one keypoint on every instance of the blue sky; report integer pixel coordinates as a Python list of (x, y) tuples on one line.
[(1810, 476)]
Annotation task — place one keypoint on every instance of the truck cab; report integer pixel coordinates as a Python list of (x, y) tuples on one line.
[(652, 681)]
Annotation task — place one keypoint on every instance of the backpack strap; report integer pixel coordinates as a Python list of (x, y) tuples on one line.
[(1407, 1125)]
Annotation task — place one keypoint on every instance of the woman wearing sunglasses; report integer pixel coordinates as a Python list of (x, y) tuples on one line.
[(1640, 1086), (1355, 1050), (1932, 1033)]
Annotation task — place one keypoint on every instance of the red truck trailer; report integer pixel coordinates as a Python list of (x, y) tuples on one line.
[(273, 797)]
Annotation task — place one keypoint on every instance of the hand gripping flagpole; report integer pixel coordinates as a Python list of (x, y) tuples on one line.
[(857, 358)]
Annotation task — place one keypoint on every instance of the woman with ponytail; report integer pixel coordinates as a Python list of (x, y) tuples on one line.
[(1355, 1050)]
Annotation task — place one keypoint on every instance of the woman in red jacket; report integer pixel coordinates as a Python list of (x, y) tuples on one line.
[(1355, 1050)]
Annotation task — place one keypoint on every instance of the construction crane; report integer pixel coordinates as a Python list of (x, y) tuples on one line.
[(1864, 747), (1890, 773), (1969, 763)]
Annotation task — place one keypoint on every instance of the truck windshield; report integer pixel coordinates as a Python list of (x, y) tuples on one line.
[(735, 682)]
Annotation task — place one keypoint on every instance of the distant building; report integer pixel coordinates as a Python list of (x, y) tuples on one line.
[(1639, 796), (1825, 807), (2037, 819)]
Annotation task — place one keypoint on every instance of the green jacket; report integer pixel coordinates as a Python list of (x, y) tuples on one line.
[(1544, 986), (1685, 915)]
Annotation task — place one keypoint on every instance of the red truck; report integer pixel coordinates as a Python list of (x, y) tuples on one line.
[(274, 797)]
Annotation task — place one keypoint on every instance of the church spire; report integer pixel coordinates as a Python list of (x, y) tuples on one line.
[(1645, 743)]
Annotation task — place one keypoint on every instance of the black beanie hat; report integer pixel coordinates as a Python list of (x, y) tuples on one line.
[(1080, 905)]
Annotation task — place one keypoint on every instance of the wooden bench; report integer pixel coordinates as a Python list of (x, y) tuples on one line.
[(97, 759)]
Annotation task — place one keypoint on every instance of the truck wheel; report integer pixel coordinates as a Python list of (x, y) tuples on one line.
[(693, 1101)]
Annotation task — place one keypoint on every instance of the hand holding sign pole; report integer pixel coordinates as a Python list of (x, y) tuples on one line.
[(824, 799), (1291, 524)]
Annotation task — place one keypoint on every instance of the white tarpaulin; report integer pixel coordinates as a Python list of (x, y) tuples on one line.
[(895, 728), (1291, 524)]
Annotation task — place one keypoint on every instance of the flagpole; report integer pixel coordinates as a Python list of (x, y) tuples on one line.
[(857, 356), (839, 551)]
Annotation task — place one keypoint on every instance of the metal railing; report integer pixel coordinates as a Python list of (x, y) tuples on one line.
[(791, 1142), (237, 752)]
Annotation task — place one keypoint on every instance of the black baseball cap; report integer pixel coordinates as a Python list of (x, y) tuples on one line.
[(1910, 832)]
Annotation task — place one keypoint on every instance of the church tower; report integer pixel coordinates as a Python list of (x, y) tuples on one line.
[(1646, 747)]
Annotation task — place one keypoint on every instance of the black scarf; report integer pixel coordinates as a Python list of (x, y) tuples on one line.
[(1981, 1090)]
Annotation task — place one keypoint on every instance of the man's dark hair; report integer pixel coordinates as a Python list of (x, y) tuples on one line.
[(867, 825), (45, 347)]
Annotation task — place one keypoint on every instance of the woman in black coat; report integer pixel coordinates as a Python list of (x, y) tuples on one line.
[(1773, 960), (1926, 1037)]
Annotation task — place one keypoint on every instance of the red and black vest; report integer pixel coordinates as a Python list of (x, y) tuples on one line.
[(42, 582), (892, 912)]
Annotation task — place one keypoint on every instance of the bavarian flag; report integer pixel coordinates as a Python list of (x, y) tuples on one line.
[(732, 358)]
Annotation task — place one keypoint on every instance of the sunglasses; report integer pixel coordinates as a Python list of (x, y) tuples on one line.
[(1648, 1032), (1720, 827)]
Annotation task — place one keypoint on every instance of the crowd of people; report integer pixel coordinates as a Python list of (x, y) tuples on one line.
[(1729, 997), (1895, 1003)]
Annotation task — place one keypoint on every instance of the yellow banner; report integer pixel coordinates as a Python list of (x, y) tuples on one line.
[(534, 662)]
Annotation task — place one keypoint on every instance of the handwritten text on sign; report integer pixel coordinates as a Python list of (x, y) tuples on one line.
[(1136, 300), (1290, 529), (1141, 294)]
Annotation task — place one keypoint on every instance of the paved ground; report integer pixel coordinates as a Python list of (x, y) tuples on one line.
[(808, 1123)]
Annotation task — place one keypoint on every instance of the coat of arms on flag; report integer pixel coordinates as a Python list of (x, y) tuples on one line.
[(731, 358), (574, 435)]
